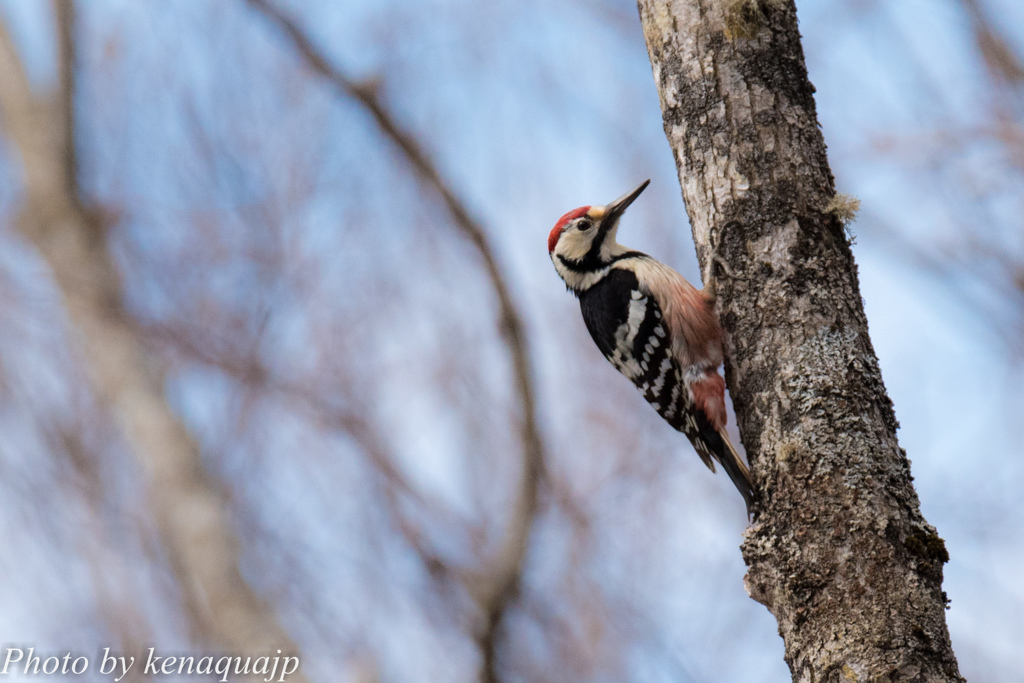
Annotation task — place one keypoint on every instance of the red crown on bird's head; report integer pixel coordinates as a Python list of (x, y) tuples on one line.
[(562, 222)]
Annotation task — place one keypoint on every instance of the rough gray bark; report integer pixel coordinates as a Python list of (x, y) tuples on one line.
[(188, 505), (838, 551)]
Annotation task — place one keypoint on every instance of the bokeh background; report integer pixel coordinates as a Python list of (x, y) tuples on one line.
[(333, 339)]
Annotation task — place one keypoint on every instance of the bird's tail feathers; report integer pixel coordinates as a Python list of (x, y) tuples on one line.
[(737, 470), (706, 459)]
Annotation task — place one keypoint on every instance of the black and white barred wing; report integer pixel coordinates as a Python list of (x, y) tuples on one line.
[(628, 327)]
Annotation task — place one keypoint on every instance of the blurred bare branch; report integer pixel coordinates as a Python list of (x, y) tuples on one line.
[(67, 85), (999, 56), (189, 506), (495, 591), (252, 373)]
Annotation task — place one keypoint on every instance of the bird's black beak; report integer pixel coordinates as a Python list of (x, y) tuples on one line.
[(619, 206)]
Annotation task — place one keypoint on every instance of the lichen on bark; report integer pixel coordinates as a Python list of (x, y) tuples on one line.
[(838, 551)]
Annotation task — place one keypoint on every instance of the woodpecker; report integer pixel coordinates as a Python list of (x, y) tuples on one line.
[(656, 328)]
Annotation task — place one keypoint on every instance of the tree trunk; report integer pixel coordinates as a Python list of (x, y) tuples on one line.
[(838, 551)]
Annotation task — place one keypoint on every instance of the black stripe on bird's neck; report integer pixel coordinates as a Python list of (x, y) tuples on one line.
[(591, 263)]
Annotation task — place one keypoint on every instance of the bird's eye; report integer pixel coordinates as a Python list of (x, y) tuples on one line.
[(584, 225)]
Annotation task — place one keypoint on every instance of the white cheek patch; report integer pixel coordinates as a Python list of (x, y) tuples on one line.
[(574, 244), (610, 249)]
